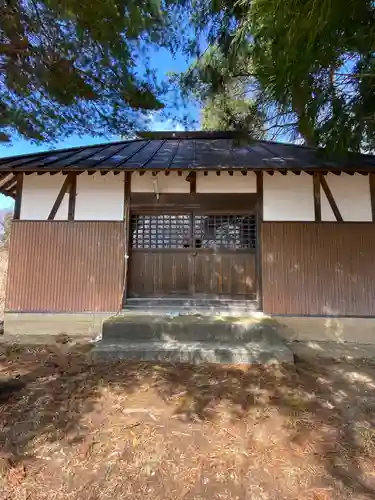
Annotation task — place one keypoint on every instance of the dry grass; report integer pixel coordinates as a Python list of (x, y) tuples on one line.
[(73, 430)]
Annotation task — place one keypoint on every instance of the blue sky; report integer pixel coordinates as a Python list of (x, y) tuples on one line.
[(164, 63)]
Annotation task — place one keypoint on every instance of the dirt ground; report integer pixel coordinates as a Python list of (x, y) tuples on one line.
[(70, 429)]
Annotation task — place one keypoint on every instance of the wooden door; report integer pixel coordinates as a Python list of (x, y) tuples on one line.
[(160, 256), (223, 263), (225, 274), (192, 254)]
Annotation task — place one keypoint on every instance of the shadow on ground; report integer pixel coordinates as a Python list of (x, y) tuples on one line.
[(269, 432)]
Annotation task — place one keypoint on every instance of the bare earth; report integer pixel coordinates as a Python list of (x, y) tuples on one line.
[(73, 430)]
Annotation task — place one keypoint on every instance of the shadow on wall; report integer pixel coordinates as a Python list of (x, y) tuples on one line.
[(284, 419)]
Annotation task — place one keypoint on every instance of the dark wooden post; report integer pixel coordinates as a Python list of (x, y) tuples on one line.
[(259, 221), (372, 194), (18, 201), (127, 224), (72, 196), (317, 198), (193, 182)]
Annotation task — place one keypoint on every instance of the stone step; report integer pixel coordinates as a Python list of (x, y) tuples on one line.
[(195, 352), (189, 306), (188, 328), (189, 302)]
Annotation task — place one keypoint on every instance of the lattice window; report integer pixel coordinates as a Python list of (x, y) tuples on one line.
[(225, 231), (209, 231), (161, 231)]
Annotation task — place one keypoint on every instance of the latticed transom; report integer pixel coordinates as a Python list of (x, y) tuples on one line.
[(160, 231), (224, 231), (193, 231)]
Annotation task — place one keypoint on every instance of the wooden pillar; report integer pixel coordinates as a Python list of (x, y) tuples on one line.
[(372, 194), (259, 221), (317, 197), (127, 225), (18, 201), (193, 182), (72, 196)]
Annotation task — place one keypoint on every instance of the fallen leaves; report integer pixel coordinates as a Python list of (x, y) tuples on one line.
[(149, 431)]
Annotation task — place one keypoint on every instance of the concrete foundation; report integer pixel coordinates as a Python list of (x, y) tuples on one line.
[(355, 330), (178, 333), (51, 325)]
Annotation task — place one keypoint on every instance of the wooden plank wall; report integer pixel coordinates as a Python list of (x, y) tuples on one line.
[(318, 268), (65, 266)]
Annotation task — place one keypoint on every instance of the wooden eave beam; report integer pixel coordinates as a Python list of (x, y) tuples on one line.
[(9, 182)]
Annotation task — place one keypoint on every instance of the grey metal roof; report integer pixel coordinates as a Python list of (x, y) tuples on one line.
[(181, 151)]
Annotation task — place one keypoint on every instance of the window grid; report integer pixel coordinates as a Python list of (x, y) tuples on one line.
[(209, 231)]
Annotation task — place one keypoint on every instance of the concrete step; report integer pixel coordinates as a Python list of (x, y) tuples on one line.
[(188, 328), (189, 306), (195, 352)]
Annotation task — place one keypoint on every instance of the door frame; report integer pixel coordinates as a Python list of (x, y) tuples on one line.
[(193, 204)]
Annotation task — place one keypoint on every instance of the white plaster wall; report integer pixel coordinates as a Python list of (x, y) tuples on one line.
[(352, 196), (225, 183), (100, 197), (39, 194), (288, 197), (172, 183)]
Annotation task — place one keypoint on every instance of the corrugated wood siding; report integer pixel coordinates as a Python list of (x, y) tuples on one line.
[(318, 268), (65, 266)]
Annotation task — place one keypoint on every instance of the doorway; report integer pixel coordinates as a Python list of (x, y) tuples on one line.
[(197, 254)]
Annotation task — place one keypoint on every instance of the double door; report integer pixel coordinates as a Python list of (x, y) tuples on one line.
[(192, 254)]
